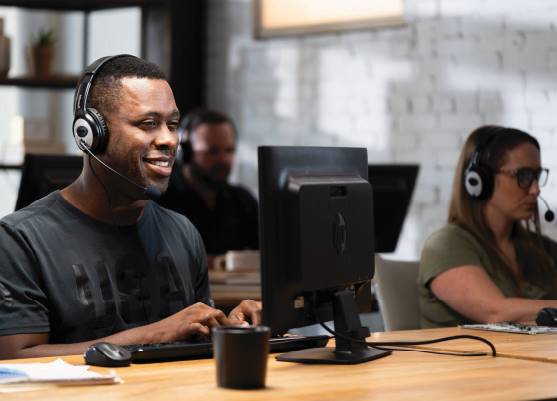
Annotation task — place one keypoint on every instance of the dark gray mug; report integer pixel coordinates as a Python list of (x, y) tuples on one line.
[(241, 355)]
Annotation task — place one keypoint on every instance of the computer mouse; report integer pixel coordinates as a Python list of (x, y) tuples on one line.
[(107, 354), (547, 317)]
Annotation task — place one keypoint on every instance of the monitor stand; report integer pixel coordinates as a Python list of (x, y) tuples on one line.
[(347, 322)]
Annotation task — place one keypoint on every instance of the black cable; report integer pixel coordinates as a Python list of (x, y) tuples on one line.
[(106, 194), (430, 351), (377, 345), (403, 343)]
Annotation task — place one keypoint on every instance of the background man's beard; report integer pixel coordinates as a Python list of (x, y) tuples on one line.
[(207, 178)]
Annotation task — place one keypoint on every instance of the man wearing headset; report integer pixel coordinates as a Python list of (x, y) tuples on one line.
[(224, 214), (99, 260)]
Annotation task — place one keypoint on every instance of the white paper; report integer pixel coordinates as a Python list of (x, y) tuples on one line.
[(57, 371)]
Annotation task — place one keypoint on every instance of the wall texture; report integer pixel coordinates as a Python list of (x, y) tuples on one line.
[(407, 94)]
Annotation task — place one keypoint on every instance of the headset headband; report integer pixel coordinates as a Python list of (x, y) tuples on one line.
[(82, 94), (480, 156)]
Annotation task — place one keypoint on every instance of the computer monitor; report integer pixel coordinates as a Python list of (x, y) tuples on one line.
[(392, 186), (43, 174), (316, 238)]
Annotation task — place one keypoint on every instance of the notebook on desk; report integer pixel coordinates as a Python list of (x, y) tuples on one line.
[(198, 350), (509, 327)]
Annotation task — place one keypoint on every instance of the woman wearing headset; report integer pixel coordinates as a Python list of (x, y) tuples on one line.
[(490, 263)]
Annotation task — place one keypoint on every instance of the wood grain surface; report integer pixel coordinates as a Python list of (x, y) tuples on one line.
[(401, 376)]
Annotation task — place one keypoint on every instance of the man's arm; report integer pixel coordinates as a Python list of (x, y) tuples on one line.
[(196, 319)]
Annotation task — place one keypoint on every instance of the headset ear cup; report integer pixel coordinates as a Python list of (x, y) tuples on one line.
[(100, 131), (473, 183), (478, 182), (82, 131), (487, 180)]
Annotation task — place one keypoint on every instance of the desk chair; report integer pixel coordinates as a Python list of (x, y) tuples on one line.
[(397, 293)]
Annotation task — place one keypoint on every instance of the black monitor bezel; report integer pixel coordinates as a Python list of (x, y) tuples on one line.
[(393, 186), (34, 171)]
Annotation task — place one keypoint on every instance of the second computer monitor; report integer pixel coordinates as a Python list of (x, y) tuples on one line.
[(43, 174), (393, 185)]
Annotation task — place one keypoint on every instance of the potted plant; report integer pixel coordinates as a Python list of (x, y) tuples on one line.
[(41, 53)]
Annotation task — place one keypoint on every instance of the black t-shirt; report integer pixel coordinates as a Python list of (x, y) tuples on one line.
[(79, 279), (230, 225)]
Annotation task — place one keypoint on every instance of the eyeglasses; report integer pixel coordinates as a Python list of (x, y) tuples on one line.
[(525, 176)]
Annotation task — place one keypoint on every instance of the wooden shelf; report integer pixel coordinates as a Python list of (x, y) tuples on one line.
[(11, 167), (79, 5), (53, 82), (172, 35)]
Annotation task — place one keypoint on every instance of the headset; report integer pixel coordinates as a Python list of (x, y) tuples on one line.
[(478, 177), (89, 127)]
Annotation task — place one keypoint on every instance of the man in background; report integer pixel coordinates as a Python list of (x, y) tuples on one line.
[(224, 214)]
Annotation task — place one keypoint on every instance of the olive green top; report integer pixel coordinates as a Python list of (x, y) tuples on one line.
[(453, 246)]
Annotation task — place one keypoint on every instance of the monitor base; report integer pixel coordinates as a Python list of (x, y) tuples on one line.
[(328, 355)]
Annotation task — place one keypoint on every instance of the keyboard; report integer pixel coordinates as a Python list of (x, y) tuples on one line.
[(204, 349), (509, 327)]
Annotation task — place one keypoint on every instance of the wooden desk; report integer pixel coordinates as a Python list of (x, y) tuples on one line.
[(537, 347), (401, 376)]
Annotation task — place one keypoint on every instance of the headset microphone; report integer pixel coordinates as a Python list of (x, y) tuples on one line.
[(549, 215), (149, 191)]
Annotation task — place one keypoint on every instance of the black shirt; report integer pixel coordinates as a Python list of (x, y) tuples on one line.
[(230, 225), (79, 279)]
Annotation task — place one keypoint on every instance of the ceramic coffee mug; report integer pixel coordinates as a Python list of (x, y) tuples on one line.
[(241, 355)]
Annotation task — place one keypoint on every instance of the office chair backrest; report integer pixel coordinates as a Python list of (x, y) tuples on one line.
[(397, 293)]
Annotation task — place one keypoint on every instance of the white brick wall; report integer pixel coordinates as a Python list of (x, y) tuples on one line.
[(409, 94)]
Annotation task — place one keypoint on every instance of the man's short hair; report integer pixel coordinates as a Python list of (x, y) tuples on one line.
[(106, 86), (200, 116)]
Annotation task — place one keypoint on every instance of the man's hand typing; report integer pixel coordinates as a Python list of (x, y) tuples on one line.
[(197, 319), (247, 311)]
